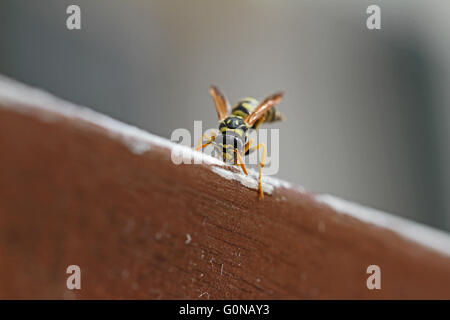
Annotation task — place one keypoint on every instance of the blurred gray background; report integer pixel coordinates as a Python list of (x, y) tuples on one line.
[(368, 115)]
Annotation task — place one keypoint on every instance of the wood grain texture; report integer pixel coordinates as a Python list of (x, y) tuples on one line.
[(142, 227)]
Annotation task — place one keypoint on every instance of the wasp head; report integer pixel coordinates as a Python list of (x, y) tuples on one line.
[(226, 144)]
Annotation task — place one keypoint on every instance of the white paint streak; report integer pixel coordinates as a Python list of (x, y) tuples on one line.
[(249, 181), (203, 294), (188, 239), (419, 233), (27, 99), (268, 183)]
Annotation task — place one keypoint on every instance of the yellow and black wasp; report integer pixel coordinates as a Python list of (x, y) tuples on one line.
[(232, 143)]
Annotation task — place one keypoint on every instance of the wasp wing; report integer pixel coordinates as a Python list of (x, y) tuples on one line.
[(220, 101), (262, 108)]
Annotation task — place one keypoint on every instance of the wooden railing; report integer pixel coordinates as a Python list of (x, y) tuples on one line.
[(78, 188)]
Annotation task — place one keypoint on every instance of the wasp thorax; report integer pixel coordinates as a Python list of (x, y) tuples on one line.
[(226, 145), (232, 122)]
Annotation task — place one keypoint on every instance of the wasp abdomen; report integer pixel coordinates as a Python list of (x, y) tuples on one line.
[(246, 106)]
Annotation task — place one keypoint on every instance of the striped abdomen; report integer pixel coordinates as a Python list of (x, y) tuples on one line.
[(245, 106)]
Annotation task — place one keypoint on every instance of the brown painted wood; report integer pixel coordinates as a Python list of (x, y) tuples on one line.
[(70, 194)]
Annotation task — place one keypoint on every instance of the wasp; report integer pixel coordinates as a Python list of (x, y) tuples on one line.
[(232, 143)]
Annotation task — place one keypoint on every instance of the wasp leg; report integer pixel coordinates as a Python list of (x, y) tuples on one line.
[(247, 146), (197, 148), (261, 165), (209, 140), (240, 162)]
